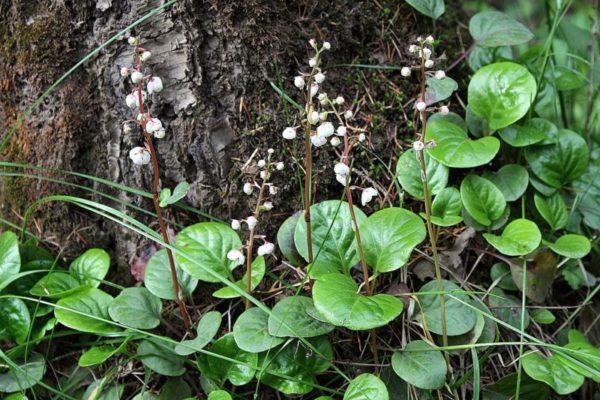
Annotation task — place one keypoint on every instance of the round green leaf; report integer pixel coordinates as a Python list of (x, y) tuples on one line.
[(161, 358), (446, 208), (55, 285), (207, 329), (219, 395), (25, 375), (408, 171), (501, 93), (136, 307), (507, 308), (366, 387), (292, 317), (258, 273), (91, 267), (251, 332), (10, 260), (560, 163), (588, 204), (89, 307), (501, 272), (519, 238), (494, 28), (333, 238), (336, 299), (439, 89), (511, 179), (552, 371), (207, 243), (534, 131), (460, 318), (481, 56), (97, 355), (14, 319), (389, 237), (421, 366), (175, 389), (431, 8), (542, 316), (571, 246), (454, 148), (497, 224), (159, 281), (553, 210), (482, 199), (218, 369), (285, 239)]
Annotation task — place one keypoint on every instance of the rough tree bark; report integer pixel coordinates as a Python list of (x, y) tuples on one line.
[(216, 58)]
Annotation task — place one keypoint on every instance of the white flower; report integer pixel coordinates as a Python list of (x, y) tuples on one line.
[(299, 82), (322, 96), (124, 71), (339, 100), (323, 116), (280, 166), (341, 130), (426, 53), (141, 116), (131, 100), (326, 129), (421, 106), (440, 74), (413, 48), (267, 206), (444, 110), (261, 163), (320, 77), (127, 128), (136, 76), (237, 256), (314, 89), (139, 155), (265, 249), (155, 85), (159, 134), (153, 125), (428, 63), (341, 179), (327, 45), (367, 195), (314, 117), (341, 169), (132, 40), (318, 141), (348, 114), (289, 133), (362, 137), (313, 43), (312, 62), (248, 188), (405, 71), (251, 221), (418, 145), (429, 39), (270, 151), (264, 175), (273, 190), (145, 55), (235, 224)]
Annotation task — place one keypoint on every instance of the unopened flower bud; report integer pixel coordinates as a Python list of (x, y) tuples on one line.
[(429, 39), (335, 141), (133, 41), (155, 85), (248, 188), (429, 63), (126, 128), (341, 130), (252, 222), (318, 141), (145, 55), (320, 77), (131, 101), (289, 133), (313, 43), (339, 100), (153, 125), (444, 110), (413, 48), (235, 224), (341, 169), (348, 114), (327, 45), (421, 106), (314, 117), (159, 134), (418, 145), (139, 155), (270, 151), (405, 71), (265, 249), (237, 256), (440, 74), (280, 166), (362, 137), (367, 195), (136, 76), (124, 71), (314, 89), (267, 206), (426, 53), (326, 129), (273, 190), (323, 116), (261, 163), (312, 62), (299, 82), (264, 175)]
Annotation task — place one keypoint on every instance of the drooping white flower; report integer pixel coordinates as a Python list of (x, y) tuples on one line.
[(235, 224), (421, 106), (426, 53), (270, 150), (326, 129), (313, 43), (299, 82), (261, 163), (327, 45), (362, 137), (341, 130), (251, 221), (367, 195), (237, 256), (444, 110), (339, 100), (322, 96), (124, 71), (413, 48), (314, 89), (335, 141), (318, 141), (289, 133), (264, 175), (132, 40), (139, 155), (131, 100), (314, 117), (141, 117), (153, 125), (341, 169), (429, 64), (440, 74), (323, 116), (405, 71), (136, 76), (155, 85), (418, 145), (320, 77), (341, 179), (267, 206), (273, 190), (265, 249), (429, 39), (312, 62), (348, 114), (280, 166), (145, 56), (159, 134), (248, 188)]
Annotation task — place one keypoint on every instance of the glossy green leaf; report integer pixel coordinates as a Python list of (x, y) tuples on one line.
[(552, 371), (336, 299), (507, 308), (534, 131), (431, 8), (285, 239), (501, 93), (97, 355), (161, 358), (219, 395), (14, 319), (588, 187), (175, 389), (299, 363), (88, 305), (446, 208), (542, 316), (366, 387), (16, 396), (10, 260), (333, 238), (584, 353), (520, 237), (481, 56), (159, 281), (408, 171), (454, 148), (497, 224), (389, 237), (221, 370), (494, 28), (91, 267), (251, 332), (553, 210), (482, 199), (207, 329), (207, 243), (257, 275), (560, 163), (460, 318), (136, 307), (571, 246), (420, 366), (296, 312), (501, 272), (511, 179), (25, 376), (55, 285), (439, 89)]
